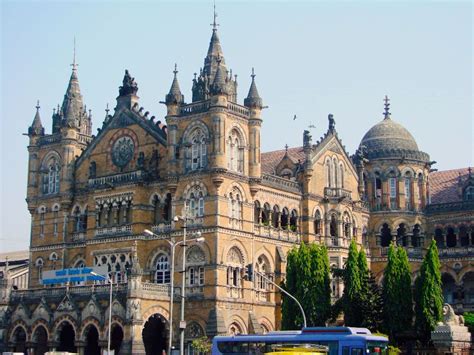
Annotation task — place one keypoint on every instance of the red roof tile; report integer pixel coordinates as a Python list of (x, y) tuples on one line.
[(444, 185), (271, 159)]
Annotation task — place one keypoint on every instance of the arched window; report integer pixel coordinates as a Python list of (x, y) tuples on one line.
[(317, 223), (407, 183), (266, 214), (450, 238), (235, 264), (347, 225), (162, 269), (117, 264), (51, 176), (235, 151), (157, 210), (333, 232), (341, 175), (420, 189), (416, 238), (39, 263), (377, 192), (439, 238), (42, 217), (285, 218), (76, 214), (235, 208), (328, 173), (167, 208), (276, 217), (262, 266), (257, 211), (401, 235), (235, 329), (195, 259), (55, 220), (392, 184), (293, 220), (469, 193), (385, 235), (53, 257), (195, 202), (197, 153), (334, 181)]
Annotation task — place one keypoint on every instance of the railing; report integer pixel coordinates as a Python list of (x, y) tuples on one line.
[(276, 233), (53, 138), (332, 192), (162, 228), (195, 108), (61, 291), (84, 138), (411, 251), (78, 237), (456, 252), (451, 206), (279, 182), (117, 179), (116, 230), (240, 110)]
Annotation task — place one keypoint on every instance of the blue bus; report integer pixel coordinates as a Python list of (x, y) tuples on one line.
[(338, 340)]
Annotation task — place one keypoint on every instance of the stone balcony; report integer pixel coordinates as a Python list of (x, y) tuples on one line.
[(113, 231), (336, 192), (277, 233), (117, 179)]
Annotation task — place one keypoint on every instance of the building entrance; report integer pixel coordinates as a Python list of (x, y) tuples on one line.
[(154, 335), (116, 339), (66, 338), (92, 341)]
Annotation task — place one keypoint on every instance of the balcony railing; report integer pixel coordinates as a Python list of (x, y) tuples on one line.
[(116, 230), (279, 182), (195, 108), (276, 233), (456, 252), (336, 192), (118, 179), (162, 228), (78, 237), (238, 109)]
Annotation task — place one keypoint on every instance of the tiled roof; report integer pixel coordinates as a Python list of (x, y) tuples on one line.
[(271, 159), (444, 185)]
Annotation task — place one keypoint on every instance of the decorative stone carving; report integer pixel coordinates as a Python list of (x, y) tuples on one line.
[(133, 309), (451, 335), (122, 151)]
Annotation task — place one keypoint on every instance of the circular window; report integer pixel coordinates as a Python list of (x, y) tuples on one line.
[(122, 151)]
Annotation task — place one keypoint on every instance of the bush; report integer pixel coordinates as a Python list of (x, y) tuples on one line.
[(393, 350), (202, 345), (469, 319)]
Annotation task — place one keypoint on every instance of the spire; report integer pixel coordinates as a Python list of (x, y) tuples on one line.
[(36, 128), (386, 113), (174, 96), (214, 52), (72, 108), (253, 98), (219, 85)]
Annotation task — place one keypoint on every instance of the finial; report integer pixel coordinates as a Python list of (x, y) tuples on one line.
[(107, 110), (74, 65), (214, 24), (286, 148), (387, 107), (38, 105), (253, 74), (195, 75), (175, 71)]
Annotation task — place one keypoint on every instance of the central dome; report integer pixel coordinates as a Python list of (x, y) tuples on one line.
[(388, 135)]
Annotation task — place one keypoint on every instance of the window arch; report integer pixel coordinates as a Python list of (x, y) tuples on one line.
[(385, 235), (335, 177), (235, 149), (235, 329), (317, 223), (51, 176), (276, 216), (346, 225), (39, 263), (42, 218), (235, 208), (195, 259), (266, 213), (293, 220), (285, 218), (157, 209), (377, 191), (262, 265), (196, 156), (195, 201), (341, 175), (333, 232), (257, 212), (235, 263), (407, 182), (328, 173), (162, 269)]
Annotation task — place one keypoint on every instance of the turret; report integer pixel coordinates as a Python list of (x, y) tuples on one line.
[(255, 104), (127, 92), (36, 128), (174, 98)]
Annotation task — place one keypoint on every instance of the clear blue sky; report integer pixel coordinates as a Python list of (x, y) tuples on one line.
[(311, 58)]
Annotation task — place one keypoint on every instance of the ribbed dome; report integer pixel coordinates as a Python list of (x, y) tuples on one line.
[(388, 135)]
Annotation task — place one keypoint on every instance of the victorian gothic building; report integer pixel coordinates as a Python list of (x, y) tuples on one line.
[(91, 198)]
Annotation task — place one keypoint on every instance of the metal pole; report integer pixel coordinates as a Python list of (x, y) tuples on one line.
[(286, 293), (110, 314), (183, 292), (170, 344)]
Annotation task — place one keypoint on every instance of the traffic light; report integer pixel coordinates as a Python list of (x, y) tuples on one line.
[(248, 272)]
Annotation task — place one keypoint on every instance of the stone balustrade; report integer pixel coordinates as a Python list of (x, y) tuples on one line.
[(276, 233), (115, 230), (117, 179)]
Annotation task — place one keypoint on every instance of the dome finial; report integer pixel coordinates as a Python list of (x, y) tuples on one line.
[(214, 24), (74, 64), (37, 105), (387, 107)]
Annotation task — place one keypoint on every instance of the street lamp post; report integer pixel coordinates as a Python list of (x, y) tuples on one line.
[(182, 322), (108, 278), (173, 245)]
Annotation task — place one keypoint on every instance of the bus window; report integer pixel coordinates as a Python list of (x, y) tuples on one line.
[(345, 350), (357, 351)]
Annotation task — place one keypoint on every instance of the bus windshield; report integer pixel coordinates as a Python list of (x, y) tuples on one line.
[(377, 348)]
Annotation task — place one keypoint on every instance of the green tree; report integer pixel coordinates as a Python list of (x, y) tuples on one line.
[(428, 294), (397, 294), (351, 298), (307, 279)]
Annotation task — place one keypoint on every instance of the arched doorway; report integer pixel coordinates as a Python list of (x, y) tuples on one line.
[(154, 334), (116, 339), (385, 235), (92, 341), (67, 336), (41, 339), (19, 341), (468, 283), (449, 288)]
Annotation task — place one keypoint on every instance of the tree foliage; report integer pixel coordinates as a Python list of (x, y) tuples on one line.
[(307, 279), (352, 296), (428, 294), (397, 293), (371, 303)]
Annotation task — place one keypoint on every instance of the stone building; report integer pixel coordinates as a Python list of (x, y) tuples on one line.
[(91, 198)]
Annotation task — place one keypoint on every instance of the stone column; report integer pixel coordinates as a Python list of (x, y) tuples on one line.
[(81, 346)]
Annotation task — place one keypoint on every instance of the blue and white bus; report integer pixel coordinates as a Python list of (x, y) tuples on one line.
[(339, 340)]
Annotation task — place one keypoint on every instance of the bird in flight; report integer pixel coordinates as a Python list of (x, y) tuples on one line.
[(294, 117)]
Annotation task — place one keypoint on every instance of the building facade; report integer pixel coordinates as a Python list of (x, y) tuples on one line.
[(91, 198)]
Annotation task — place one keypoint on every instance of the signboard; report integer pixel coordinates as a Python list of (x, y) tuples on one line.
[(74, 275)]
